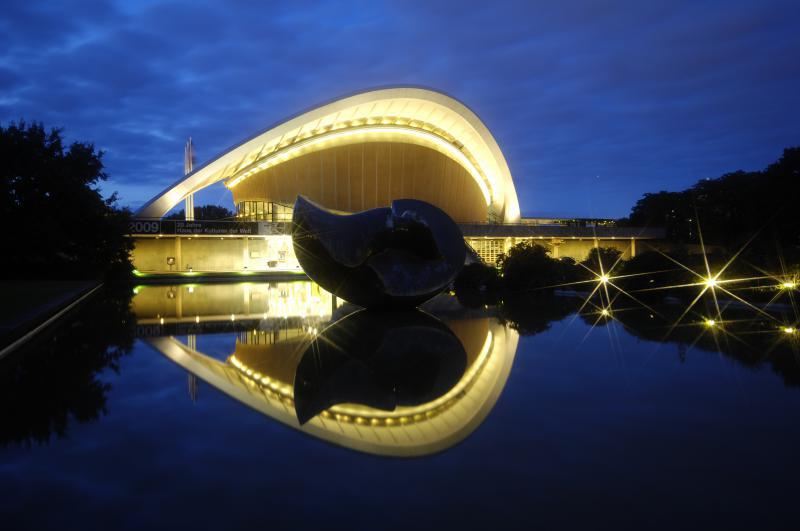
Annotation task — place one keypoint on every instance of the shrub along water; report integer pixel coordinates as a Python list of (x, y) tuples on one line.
[(528, 272)]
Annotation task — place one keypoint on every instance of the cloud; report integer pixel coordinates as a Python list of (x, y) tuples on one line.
[(593, 105)]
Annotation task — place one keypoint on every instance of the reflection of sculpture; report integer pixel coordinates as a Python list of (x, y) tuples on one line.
[(397, 256), (379, 360), (261, 376)]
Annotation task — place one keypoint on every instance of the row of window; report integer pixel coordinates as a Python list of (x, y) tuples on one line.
[(488, 249), (263, 211)]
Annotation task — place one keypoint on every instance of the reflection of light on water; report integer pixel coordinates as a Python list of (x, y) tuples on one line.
[(231, 302), (284, 391), (406, 431)]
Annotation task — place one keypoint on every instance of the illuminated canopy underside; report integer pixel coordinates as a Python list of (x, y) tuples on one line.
[(397, 115), (406, 431)]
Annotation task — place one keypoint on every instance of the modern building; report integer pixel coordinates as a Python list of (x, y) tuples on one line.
[(352, 154)]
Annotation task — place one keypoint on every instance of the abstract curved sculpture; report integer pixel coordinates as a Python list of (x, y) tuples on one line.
[(398, 256), (380, 360)]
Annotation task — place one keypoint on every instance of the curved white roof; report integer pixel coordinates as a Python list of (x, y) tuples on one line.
[(423, 114)]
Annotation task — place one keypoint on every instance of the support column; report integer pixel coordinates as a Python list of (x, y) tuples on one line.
[(555, 244), (633, 247), (188, 165), (189, 207)]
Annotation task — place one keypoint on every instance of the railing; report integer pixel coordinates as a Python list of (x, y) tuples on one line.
[(522, 230), (162, 227)]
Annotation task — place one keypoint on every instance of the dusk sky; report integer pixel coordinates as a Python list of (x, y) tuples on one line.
[(593, 103)]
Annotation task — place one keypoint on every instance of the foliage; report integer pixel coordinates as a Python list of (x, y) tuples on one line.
[(478, 284), (646, 274), (748, 340), (732, 208), (600, 260), (58, 223), (530, 315), (206, 213), (478, 276), (527, 266)]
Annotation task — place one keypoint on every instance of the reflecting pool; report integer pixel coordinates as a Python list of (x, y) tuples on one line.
[(275, 404)]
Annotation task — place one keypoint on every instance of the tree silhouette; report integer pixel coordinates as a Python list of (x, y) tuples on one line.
[(206, 213), (58, 223)]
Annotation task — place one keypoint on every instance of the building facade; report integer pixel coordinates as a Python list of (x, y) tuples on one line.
[(351, 154)]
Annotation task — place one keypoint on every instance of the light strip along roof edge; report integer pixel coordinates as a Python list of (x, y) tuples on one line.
[(473, 135)]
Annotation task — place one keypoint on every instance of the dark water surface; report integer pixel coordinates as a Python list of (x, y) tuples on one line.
[(146, 417)]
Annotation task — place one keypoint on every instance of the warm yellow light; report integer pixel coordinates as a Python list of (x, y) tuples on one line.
[(710, 322), (788, 285), (605, 312), (604, 279), (710, 282), (789, 330), (448, 148)]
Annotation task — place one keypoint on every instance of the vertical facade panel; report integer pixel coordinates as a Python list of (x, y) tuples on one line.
[(328, 166), (356, 184), (383, 174), (342, 164), (367, 175), (396, 171)]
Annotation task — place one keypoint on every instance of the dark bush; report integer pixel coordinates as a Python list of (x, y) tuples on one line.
[(478, 284), (527, 266), (601, 260)]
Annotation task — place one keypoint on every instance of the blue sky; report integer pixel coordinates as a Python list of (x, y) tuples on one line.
[(593, 103)]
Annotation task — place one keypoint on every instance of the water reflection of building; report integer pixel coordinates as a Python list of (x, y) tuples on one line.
[(261, 369), (197, 304)]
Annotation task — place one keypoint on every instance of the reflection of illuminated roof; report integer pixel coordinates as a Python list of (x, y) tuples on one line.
[(356, 413), (407, 431), (418, 115)]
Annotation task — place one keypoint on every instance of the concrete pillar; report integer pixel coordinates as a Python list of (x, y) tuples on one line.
[(188, 208), (555, 244), (246, 253), (633, 247)]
